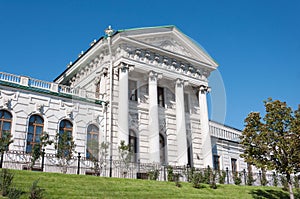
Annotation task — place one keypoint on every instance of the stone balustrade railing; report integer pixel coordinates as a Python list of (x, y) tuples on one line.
[(49, 86), (224, 132)]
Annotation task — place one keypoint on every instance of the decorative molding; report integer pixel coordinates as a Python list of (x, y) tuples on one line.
[(162, 61), (204, 89)]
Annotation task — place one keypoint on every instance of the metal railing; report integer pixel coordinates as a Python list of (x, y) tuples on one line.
[(20, 160)]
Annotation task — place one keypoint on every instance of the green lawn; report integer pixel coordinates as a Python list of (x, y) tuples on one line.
[(79, 186)]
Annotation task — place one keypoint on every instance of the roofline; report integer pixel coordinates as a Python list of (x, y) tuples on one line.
[(225, 125), (102, 37), (132, 29), (150, 27)]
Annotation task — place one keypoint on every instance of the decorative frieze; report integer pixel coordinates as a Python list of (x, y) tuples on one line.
[(168, 63)]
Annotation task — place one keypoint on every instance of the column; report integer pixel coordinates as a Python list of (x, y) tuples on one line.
[(206, 140), (123, 104), (182, 158), (154, 150)]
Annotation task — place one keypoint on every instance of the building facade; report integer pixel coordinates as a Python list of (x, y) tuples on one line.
[(146, 87)]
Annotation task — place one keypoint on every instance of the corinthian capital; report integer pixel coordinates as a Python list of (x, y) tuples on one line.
[(204, 89)]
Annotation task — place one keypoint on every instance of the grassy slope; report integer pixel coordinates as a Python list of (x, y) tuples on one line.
[(80, 186)]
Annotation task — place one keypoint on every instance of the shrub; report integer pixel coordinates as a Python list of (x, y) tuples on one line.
[(170, 174), (35, 191), (207, 175), (237, 178), (176, 178), (15, 193), (222, 176), (197, 179), (213, 184), (190, 173), (6, 178), (153, 174)]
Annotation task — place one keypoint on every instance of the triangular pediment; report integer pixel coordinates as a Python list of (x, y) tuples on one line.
[(170, 39)]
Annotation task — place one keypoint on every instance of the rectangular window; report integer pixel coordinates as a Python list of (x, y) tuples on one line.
[(132, 90), (233, 165), (216, 162), (160, 96), (186, 103)]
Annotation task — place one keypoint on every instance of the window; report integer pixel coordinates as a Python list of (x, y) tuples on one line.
[(92, 148), (5, 122), (216, 162), (186, 103), (160, 96), (35, 129), (132, 90), (65, 126), (233, 165), (133, 145), (162, 149), (189, 145)]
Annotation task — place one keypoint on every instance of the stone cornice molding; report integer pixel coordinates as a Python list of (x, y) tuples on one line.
[(164, 62)]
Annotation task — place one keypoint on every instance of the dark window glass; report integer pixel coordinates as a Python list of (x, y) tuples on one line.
[(186, 103), (92, 149), (162, 149), (233, 165), (132, 90), (160, 96), (216, 162), (5, 122), (35, 129), (133, 145)]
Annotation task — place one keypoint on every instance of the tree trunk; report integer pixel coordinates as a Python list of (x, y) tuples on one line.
[(289, 180)]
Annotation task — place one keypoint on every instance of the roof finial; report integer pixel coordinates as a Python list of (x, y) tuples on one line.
[(109, 31)]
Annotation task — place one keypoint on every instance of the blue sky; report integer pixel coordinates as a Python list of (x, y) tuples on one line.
[(255, 42)]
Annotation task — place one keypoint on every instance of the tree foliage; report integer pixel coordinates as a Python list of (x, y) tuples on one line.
[(65, 148), (273, 142), (38, 148)]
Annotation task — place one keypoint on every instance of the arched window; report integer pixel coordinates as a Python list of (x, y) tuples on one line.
[(162, 149), (92, 148), (35, 129), (65, 126), (133, 145), (5, 122)]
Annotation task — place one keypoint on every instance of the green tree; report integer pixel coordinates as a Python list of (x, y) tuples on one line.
[(65, 147), (5, 141), (125, 157), (38, 148), (274, 142)]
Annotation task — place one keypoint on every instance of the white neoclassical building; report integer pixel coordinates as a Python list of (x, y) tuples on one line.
[(146, 86)]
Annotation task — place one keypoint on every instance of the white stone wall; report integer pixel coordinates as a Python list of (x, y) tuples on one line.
[(25, 103)]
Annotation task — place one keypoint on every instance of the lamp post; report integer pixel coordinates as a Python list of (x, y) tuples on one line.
[(108, 33)]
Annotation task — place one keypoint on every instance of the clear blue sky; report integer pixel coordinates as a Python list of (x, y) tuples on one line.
[(255, 42)]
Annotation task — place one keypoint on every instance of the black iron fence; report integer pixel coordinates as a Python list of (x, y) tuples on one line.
[(120, 169)]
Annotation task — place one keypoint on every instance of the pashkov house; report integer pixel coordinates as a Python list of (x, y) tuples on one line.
[(147, 87)]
